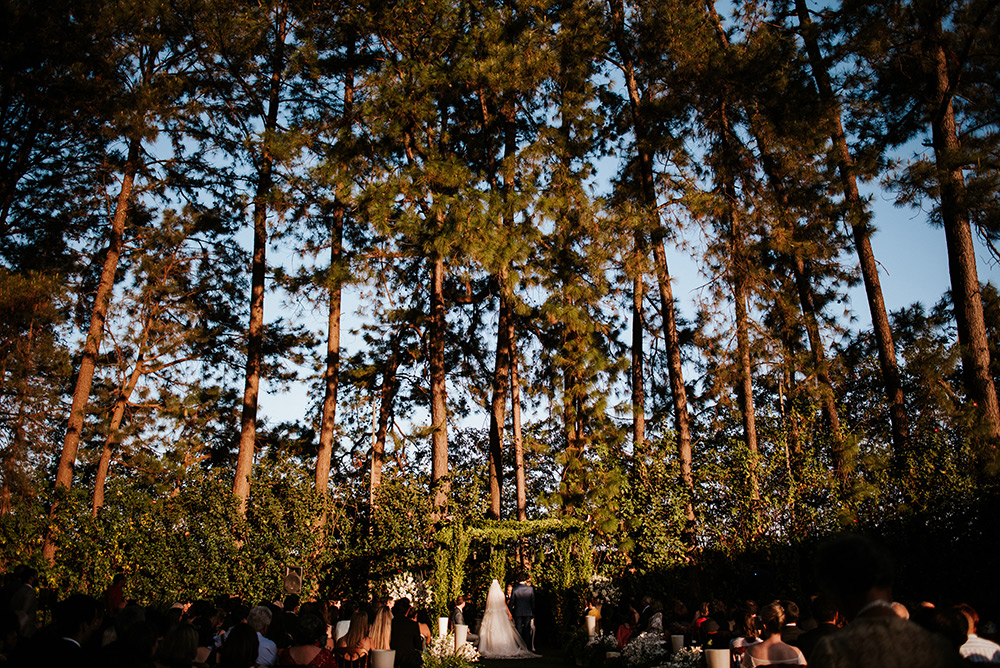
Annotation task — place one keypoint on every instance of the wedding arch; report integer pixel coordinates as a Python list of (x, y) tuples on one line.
[(564, 543)]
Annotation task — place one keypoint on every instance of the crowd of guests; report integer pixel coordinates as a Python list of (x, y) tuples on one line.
[(853, 622), (222, 633)]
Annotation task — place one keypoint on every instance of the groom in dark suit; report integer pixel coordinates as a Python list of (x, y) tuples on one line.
[(522, 608)]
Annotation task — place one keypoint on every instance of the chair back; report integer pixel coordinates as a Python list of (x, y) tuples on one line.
[(351, 658)]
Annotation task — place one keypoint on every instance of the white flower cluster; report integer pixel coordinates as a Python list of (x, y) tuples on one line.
[(647, 649), (601, 588), (604, 641), (687, 657), (444, 646), (420, 593)]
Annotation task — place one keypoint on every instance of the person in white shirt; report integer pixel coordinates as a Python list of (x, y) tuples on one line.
[(976, 649)]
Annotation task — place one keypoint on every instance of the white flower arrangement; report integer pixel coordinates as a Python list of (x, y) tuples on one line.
[(405, 585), (605, 641), (687, 657), (442, 647), (646, 649), (601, 588)]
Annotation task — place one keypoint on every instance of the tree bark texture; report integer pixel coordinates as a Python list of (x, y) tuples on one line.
[(861, 233), (965, 287), (331, 373), (114, 433), (439, 391), (95, 333), (501, 378), (682, 420), (258, 272)]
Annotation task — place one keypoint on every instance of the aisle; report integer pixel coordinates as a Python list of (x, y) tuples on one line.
[(551, 658)]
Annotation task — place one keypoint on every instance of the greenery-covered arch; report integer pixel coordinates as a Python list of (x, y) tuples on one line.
[(569, 562)]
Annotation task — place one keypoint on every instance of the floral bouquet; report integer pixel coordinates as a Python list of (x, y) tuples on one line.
[(601, 588), (442, 653), (687, 657), (405, 585), (647, 649)]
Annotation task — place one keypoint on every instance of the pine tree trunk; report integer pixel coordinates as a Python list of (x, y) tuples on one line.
[(505, 328), (387, 394), (744, 390), (515, 416), (821, 367), (637, 374), (738, 269), (255, 329), (682, 421), (439, 396), (331, 374), (113, 436), (102, 301), (861, 232), (501, 376), (965, 287)]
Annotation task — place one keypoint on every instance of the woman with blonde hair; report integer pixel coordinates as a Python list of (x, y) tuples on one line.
[(771, 651), (381, 629), (355, 644)]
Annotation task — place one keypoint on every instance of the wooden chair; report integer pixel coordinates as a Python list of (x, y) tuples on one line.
[(351, 658)]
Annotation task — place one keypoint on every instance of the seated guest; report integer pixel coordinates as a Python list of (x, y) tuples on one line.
[(240, 648), (790, 632), (858, 575), (77, 618), (824, 611), (177, 649), (308, 644), (712, 636), (772, 651), (356, 643), (381, 630), (423, 620), (745, 629), (259, 619), (976, 649), (405, 637), (347, 610)]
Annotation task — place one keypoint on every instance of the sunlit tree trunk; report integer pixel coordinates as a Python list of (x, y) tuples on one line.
[(95, 333), (861, 231), (114, 431), (682, 420), (965, 287), (515, 415), (387, 394), (501, 378), (255, 329), (440, 487), (331, 373)]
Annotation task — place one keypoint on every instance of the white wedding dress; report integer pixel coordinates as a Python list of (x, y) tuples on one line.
[(498, 639)]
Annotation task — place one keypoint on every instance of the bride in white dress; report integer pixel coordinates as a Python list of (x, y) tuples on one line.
[(498, 639)]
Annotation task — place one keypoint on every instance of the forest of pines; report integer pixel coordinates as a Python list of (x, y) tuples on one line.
[(482, 201)]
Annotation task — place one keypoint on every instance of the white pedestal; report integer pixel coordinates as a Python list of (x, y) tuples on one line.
[(677, 642), (383, 658), (442, 626), (718, 658)]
